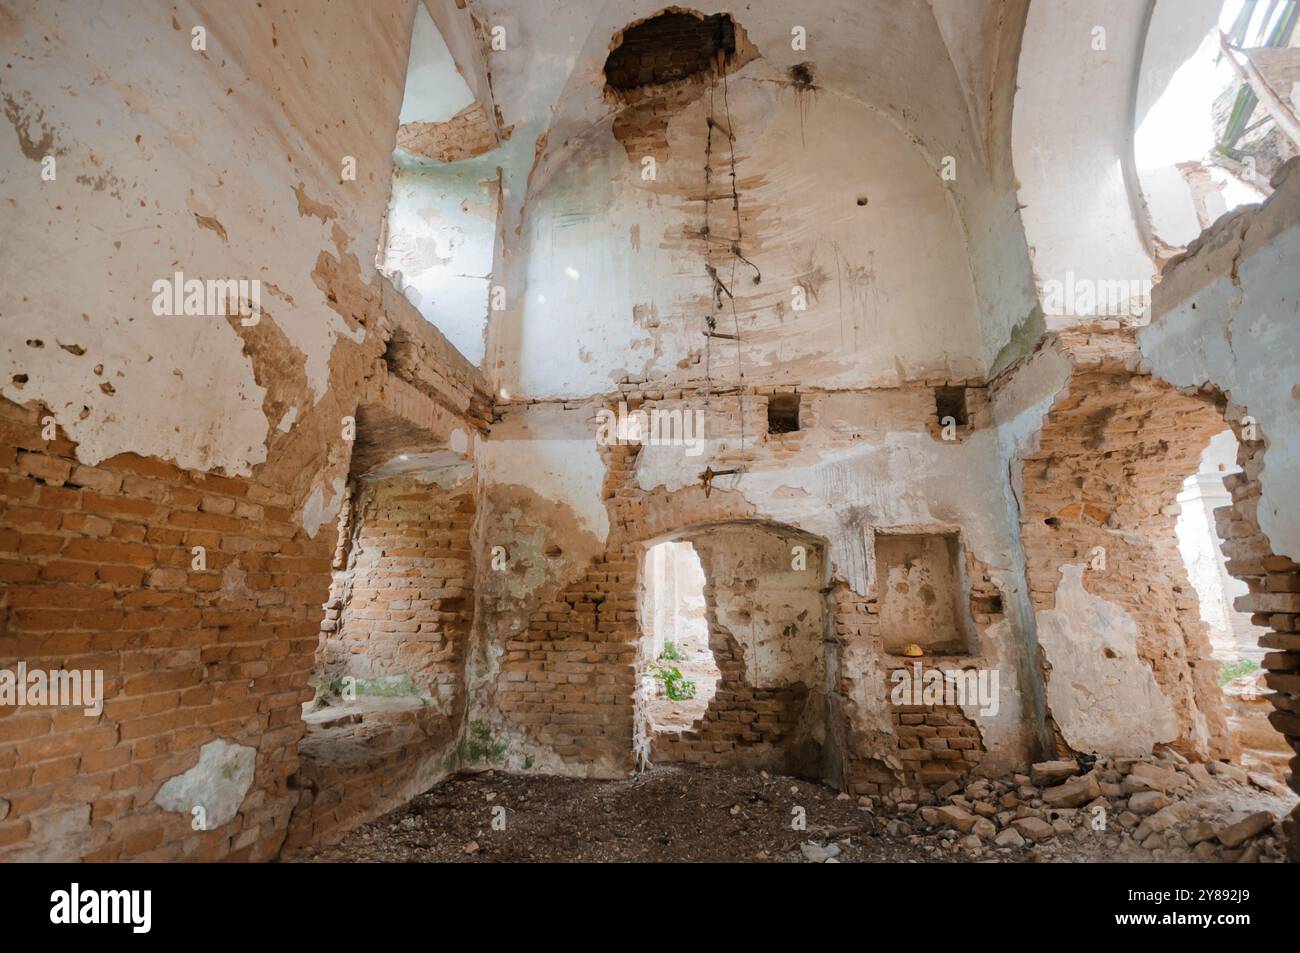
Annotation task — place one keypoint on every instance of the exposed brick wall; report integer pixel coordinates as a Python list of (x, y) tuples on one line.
[(1111, 458), (95, 563), (916, 745), (867, 734), (566, 682), (1273, 600), (937, 743), (404, 603)]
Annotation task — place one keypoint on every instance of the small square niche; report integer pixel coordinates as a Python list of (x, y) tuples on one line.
[(951, 402), (783, 413)]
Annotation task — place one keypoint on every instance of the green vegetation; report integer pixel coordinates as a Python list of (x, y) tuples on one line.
[(477, 745), (1228, 672), (673, 653), (675, 686)]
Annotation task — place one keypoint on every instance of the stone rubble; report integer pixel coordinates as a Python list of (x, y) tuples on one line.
[(1131, 806)]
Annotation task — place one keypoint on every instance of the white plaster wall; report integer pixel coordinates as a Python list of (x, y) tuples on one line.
[(1103, 696), (441, 237), (1071, 138), (146, 143), (777, 615), (435, 90), (548, 85), (615, 289), (1243, 337)]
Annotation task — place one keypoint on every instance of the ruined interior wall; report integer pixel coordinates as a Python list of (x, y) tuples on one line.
[(98, 574), (933, 117), (176, 432), (398, 622), (1224, 317), (1126, 657), (401, 610), (767, 628), (861, 461), (1223, 314)]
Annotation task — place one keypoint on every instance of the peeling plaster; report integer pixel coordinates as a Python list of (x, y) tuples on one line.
[(1103, 696), (317, 510), (217, 783), (553, 452), (1229, 315), (183, 388)]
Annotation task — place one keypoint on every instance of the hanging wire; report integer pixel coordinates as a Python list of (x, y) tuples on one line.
[(733, 245), (736, 254)]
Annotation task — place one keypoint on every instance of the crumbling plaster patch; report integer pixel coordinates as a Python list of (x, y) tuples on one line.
[(551, 450), (217, 784), (1103, 696)]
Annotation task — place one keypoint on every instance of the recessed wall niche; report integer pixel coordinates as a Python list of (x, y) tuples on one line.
[(920, 587)]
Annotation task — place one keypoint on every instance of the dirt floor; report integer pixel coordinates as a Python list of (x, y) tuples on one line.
[(671, 814)]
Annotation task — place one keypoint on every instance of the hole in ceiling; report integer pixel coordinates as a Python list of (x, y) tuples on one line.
[(862, 200), (669, 47)]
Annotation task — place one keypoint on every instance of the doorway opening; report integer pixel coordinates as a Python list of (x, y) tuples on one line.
[(683, 675), (1234, 637)]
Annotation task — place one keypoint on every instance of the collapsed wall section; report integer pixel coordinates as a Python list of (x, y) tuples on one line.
[(1224, 318), (1125, 656)]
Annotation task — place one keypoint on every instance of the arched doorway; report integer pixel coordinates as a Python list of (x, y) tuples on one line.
[(764, 617)]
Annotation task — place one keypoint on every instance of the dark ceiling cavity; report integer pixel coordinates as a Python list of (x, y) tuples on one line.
[(669, 47)]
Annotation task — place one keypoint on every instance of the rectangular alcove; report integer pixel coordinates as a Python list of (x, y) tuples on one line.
[(920, 585), (951, 402), (783, 413)]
